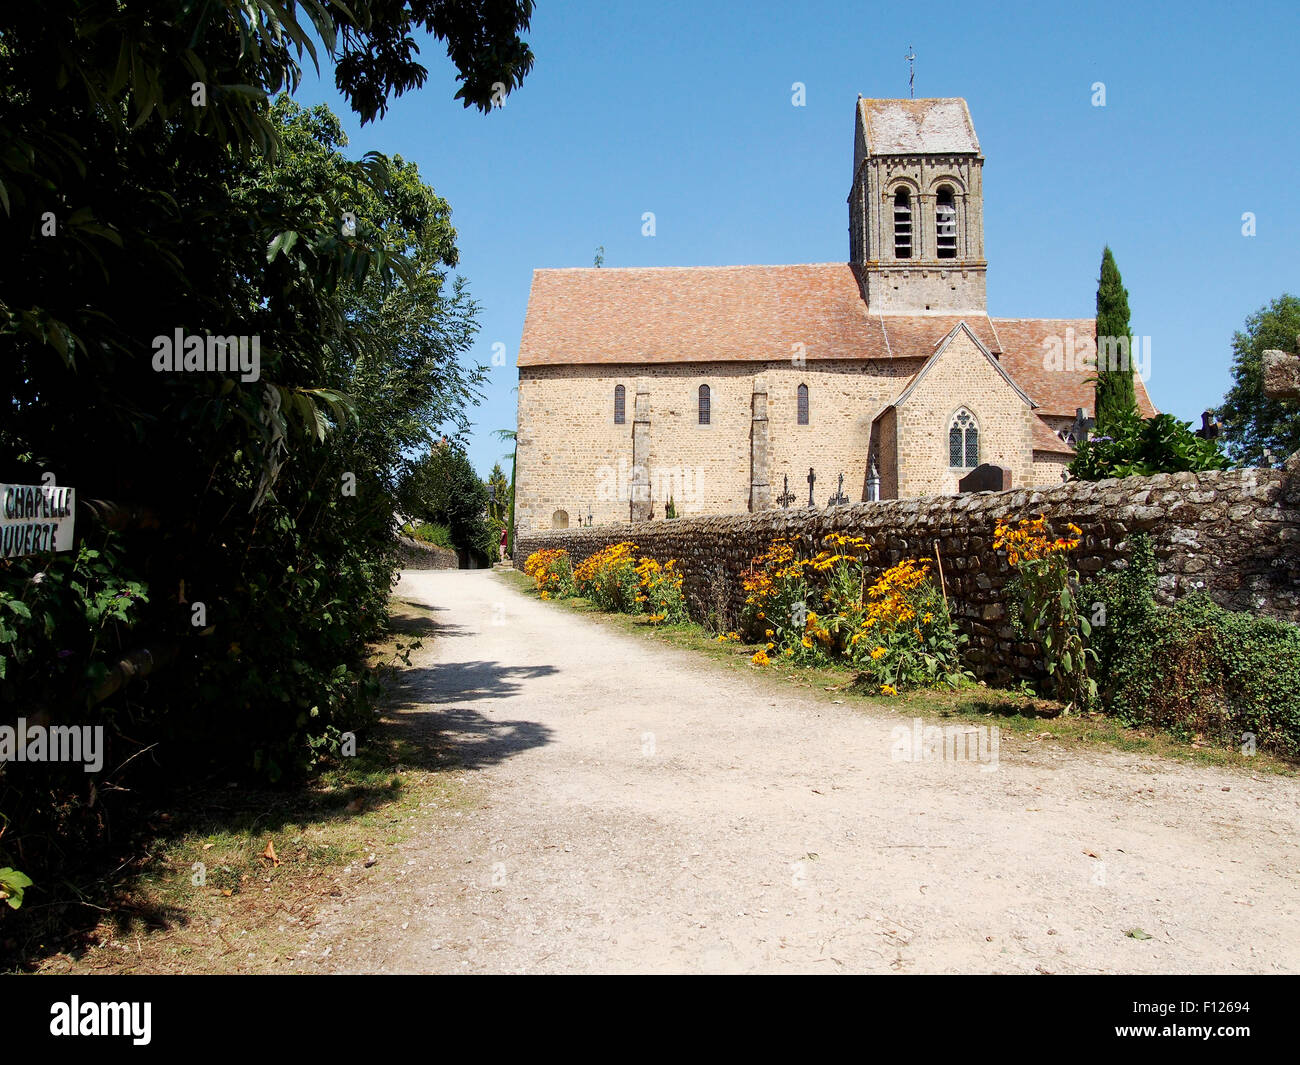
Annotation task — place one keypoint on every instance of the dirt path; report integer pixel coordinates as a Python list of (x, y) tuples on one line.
[(642, 810)]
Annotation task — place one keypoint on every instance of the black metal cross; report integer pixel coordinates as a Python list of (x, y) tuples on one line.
[(812, 479), (786, 497), (839, 498)]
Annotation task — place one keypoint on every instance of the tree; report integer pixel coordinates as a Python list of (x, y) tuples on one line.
[(1114, 393), (442, 488), (1252, 422), (512, 436)]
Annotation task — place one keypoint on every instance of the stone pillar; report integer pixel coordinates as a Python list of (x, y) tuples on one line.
[(760, 492), (642, 505)]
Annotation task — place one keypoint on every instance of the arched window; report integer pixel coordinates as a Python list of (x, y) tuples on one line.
[(963, 441), (560, 519), (704, 404), (803, 404), (902, 224), (945, 223), (620, 405)]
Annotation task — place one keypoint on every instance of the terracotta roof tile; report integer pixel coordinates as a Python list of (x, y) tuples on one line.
[(1046, 440), (1025, 343), (759, 313)]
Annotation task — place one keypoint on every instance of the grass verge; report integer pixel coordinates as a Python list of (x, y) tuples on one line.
[(228, 878)]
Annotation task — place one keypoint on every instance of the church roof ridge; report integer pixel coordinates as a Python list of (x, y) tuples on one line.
[(666, 269)]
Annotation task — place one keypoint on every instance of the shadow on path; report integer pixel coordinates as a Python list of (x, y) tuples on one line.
[(430, 704)]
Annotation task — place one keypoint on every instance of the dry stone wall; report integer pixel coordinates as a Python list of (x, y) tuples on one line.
[(1234, 535), (415, 554)]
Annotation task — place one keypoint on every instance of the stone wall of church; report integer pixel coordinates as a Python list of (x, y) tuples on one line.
[(962, 377), (573, 459), (1231, 534)]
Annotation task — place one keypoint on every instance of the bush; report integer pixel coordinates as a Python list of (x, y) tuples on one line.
[(609, 579), (899, 633), (660, 593), (1195, 669), (1046, 607), (430, 533), (908, 638), (552, 572), (1140, 446)]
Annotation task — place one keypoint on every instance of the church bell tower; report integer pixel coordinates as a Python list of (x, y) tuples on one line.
[(916, 208)]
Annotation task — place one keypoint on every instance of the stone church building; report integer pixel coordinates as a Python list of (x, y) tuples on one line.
[(712, 387)]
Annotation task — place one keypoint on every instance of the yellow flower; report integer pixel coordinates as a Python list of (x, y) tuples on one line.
[(878, 653), (760, 659), (806, 642), (888, 689)]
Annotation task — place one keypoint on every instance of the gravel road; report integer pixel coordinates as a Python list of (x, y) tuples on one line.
[(640, 809)]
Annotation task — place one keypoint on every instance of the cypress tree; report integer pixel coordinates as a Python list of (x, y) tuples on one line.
[(1114, 395)]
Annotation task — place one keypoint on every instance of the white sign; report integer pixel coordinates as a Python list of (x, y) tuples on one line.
[(35, 518)]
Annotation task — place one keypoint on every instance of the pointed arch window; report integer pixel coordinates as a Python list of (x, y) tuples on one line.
[(902, 224), (963, 440), (620, 405), (803, 404), (704, 404), (945, 223)]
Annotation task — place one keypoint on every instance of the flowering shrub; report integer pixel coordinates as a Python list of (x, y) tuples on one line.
[(817, 610), (552, 572), (1047, 605), (660, 590), (907, 638), (609, 579)]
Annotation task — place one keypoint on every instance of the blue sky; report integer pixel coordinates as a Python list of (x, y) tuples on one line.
[(684, 109)]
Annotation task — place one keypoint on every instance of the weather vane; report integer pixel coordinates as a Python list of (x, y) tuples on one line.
[(911, 71)]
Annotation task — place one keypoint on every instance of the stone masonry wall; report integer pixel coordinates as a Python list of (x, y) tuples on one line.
[(1234, 535), (415, 554)]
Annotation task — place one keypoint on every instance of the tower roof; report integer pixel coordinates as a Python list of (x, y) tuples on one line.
[(916, 127)]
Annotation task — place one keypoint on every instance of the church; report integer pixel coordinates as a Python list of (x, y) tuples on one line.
[(645, 393)]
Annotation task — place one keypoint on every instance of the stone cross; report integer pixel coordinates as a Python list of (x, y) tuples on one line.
[(839, 498), (786, 497), (1081, 427), (812, 478)]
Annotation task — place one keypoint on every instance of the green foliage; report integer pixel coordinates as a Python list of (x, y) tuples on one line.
[(1121, 607), (670, 508), (269, 501), (1195, 669), (918, 646), (609, 579), (816, 610), (1253, 423), (1115, 394), (12, 885), (1137, 446), (660, 592), (426, 532), (443, 489), (1046, 607)]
